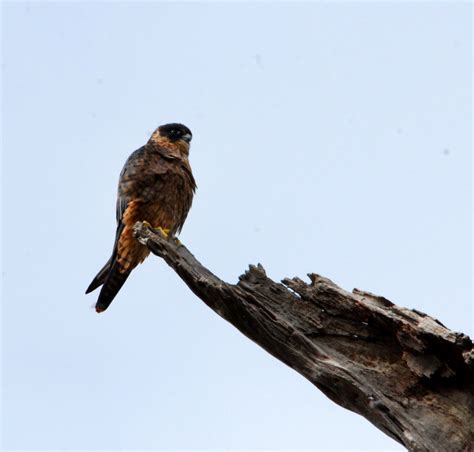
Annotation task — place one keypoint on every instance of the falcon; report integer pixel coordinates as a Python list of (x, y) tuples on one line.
[(156, 186)]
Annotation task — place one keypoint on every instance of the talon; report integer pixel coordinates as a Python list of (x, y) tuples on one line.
[(163, 231), (177, 241)]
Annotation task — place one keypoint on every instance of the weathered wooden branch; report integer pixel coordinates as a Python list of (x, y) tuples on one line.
[(399, 368)]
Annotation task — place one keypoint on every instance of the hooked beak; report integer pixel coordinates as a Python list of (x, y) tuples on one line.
[(187, 137)]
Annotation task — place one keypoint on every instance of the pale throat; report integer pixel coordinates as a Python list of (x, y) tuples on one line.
[(179, 148)]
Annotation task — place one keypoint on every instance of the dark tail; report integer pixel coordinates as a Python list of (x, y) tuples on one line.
[(100, 278), (112, 284)]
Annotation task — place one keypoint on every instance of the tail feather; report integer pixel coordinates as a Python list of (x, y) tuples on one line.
[(100, 277), (112, 284)]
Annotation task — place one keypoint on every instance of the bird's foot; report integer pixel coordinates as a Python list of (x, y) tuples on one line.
[(163, 231)]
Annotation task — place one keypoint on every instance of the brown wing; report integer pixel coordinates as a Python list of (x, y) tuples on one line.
[(128, 253), (123, 198), (115, 272)]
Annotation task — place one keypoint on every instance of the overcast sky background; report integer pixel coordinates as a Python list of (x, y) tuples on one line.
[(328, 138)]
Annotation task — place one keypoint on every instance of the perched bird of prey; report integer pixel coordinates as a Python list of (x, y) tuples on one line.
[(156, 185)]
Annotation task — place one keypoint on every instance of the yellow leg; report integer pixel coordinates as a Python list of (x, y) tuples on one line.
[(159, 229), (163, 231)]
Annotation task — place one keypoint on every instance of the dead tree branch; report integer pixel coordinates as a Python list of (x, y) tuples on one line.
[(399, 368)]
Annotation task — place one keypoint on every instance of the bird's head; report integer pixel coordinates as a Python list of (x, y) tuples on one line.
[(173, 134)]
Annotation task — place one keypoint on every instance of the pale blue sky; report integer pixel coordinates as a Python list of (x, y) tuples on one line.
[(328, 138)]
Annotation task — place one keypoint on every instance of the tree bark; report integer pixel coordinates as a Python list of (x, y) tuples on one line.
[(401, 369)]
